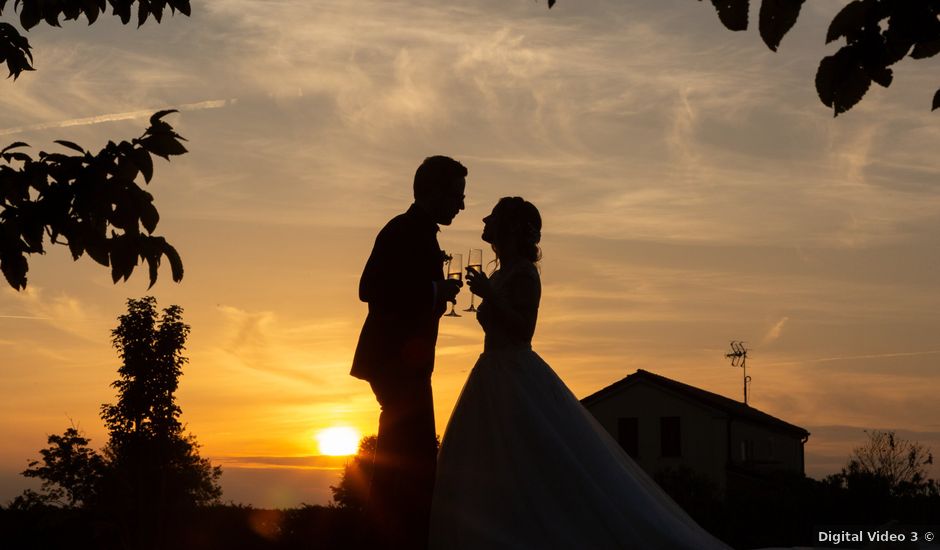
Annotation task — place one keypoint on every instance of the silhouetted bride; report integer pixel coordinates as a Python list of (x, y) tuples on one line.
[(522, 464)]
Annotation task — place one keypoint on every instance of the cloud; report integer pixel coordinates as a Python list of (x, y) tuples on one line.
[(313, 462), (773, 334), (61, 311), (262, 343), (857, 357)]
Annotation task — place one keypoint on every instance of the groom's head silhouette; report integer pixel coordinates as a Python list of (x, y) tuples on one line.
[(439, 188)]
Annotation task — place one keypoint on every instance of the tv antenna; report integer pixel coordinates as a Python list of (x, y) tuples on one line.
[(738, 358)]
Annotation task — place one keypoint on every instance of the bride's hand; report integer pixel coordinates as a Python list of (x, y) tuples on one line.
[(479, 283)]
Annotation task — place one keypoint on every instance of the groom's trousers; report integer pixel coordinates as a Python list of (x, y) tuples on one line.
[(405, 463)]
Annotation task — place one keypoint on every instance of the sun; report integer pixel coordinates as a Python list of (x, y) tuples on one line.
[(338, 441)]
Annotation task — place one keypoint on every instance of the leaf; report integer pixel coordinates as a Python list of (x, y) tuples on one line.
[(732, 13), (849, 21), (149, 217), (122, 8), (144, 162), (143, 10), (123, 257), (841, 81), (90, 7), (184, 7), (881, 76), (51, 15), (126, 168), (14, 267), (936, 101), (163, 144), (777, 17), (30, 16), (97, 248), (70, 145), (156, 117), (23, 157), (153, 263), (13, 146), (76, 247), (551, 3), (71, 10), (923, 50), (176, 264)]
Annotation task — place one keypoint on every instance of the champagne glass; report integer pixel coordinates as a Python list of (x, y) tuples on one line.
[(455, 272), (475, 263)]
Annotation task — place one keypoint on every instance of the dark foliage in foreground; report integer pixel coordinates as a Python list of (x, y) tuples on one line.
[(786, 509), (149, 479), (205, 528)]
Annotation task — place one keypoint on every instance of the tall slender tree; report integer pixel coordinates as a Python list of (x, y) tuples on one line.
[(156, 471)]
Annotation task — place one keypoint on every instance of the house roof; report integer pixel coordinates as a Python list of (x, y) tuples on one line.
[(733, 408)]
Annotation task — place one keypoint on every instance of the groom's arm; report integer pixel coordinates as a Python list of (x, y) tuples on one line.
[(392, 279)]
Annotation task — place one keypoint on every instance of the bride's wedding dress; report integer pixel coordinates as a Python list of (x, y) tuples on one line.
[(524, 465)]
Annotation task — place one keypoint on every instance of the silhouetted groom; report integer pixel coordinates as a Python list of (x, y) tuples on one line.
[(404, 286)]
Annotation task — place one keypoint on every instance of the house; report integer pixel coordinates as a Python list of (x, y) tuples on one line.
[(664, 424)]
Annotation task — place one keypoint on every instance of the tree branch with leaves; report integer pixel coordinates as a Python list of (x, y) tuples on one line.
[(877, 34), (15, 49), (82, 197)]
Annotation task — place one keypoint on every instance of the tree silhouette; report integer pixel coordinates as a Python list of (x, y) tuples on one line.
[(897, 465), (149, 473), (353, 488), (877, 33), (81, 197), (70, 470), (15, 49)]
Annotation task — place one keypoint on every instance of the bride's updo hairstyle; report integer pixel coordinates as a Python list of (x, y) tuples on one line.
[(520, 218)]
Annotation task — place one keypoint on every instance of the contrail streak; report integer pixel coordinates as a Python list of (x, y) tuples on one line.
[(98, 119), (851, 357), (24, 317)]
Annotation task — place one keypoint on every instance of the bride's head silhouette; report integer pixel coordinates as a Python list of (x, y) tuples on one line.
[(514, 229)]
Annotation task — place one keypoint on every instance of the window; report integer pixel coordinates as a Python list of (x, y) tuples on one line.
[(747, 450), (670, 435), (628, 435)]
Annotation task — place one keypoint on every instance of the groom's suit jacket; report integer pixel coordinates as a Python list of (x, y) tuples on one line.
[(398, 282)]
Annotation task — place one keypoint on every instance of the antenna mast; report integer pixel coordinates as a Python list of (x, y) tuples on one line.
[(738, 358)]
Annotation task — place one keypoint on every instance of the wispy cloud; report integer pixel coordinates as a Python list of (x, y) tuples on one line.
[(775, 331), (855, 357), (59, 310)]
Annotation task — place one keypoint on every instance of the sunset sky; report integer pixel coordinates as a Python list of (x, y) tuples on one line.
[(693, 190)]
